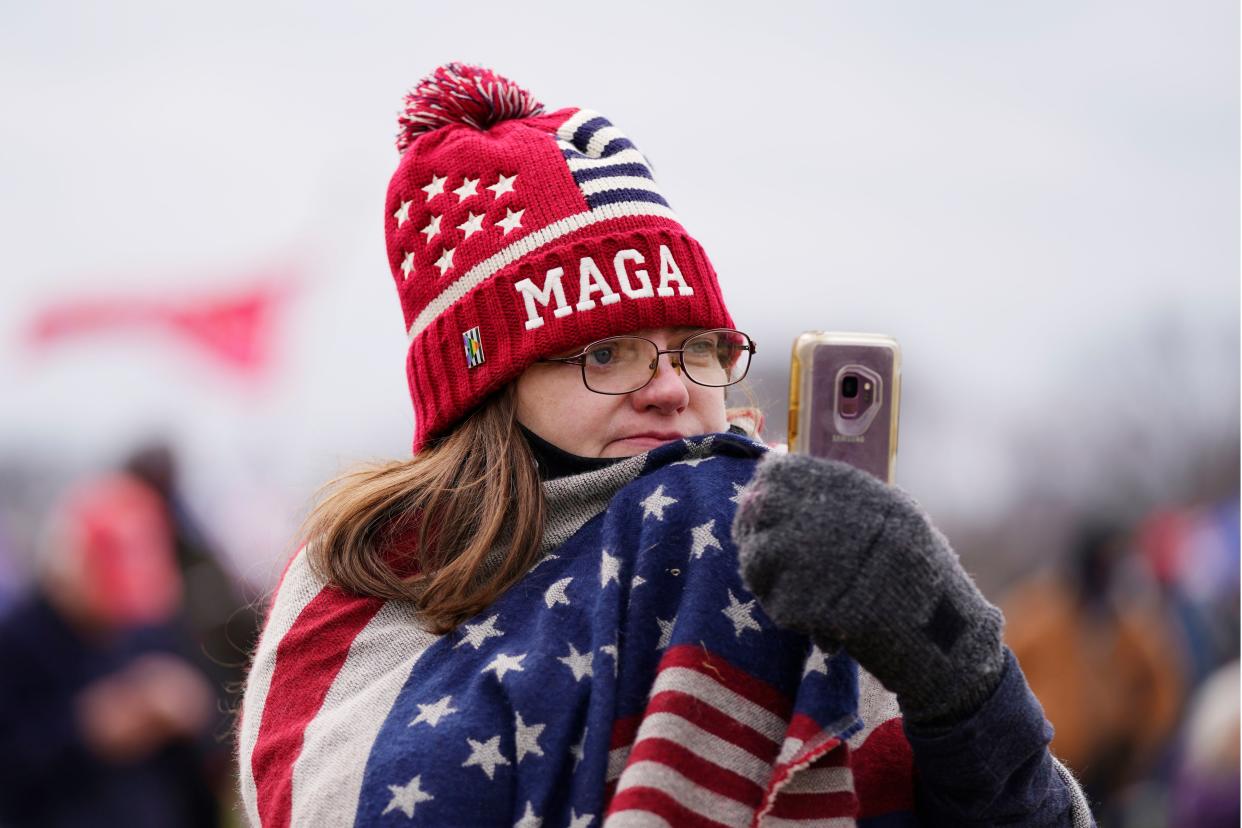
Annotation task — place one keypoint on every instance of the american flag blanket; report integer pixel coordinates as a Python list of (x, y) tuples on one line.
[(629, 679)]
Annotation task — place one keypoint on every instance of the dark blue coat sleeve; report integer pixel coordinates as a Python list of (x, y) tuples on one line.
[(994, 767)]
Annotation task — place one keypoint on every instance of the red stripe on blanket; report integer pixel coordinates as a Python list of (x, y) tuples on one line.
[(820, 754), (308, 659), (709, 664), (715, 722), (884, 771), (705, 773), (654, 801), (815, 806)]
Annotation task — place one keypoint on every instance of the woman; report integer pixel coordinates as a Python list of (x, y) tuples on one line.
[(543, 618)]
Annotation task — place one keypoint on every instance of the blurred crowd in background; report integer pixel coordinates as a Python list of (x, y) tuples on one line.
[(125, 635), (125, 648), (198, 327)]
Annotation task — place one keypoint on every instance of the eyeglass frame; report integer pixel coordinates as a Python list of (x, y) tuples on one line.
[(579, 359)]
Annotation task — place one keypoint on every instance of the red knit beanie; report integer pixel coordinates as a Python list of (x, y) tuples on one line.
[(514, 234)]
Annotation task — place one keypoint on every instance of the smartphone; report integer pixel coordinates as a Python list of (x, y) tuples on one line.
[(844, 397)]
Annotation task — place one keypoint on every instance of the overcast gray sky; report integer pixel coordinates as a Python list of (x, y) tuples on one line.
[(1006, 188)]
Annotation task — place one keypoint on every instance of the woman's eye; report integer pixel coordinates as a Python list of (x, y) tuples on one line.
[(600, 356), (700, 349)]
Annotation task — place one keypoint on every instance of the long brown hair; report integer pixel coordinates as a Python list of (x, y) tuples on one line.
[(421, 529)]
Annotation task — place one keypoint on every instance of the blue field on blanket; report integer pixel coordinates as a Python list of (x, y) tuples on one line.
[(521, 715)]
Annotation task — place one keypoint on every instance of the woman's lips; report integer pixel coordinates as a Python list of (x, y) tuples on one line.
[(650, 439)]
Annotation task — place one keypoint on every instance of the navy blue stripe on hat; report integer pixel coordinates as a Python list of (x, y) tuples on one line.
[(592, 173), (615, 146), (618, 196), (582, 135)]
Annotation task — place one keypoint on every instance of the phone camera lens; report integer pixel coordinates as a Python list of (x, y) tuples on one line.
[(849, 387)]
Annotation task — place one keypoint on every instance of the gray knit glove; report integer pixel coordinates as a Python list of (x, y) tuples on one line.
[(832, 552)]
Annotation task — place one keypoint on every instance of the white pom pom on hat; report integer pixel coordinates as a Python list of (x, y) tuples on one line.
[(459, 93)]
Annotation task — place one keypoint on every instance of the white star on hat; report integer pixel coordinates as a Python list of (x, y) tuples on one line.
[(504, 184), (445, 262), (739, 614), (403, 213), (432, 228), (406, 797), (407, 264), (433, 713), (435, 187), (469, 187), (471, 225), (577, 820), (512, 219), (486, 755)]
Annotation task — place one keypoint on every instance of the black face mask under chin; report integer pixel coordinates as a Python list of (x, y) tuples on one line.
[(555, 462)]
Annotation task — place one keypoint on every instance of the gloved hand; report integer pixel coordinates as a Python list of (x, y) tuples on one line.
[(832, 552)]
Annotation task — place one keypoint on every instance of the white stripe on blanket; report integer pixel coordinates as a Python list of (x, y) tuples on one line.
[(298, 588), (327, 777)]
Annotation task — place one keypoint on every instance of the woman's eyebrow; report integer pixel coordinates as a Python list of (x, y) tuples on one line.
[(684, 330)]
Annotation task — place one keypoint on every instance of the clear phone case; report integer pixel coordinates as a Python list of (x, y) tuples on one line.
[(844, 399)]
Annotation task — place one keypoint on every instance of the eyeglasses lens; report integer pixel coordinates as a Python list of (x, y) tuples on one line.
[(618, 365), (716, 357), (626, 363)]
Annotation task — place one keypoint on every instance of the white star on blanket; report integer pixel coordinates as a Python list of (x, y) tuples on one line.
[(406, 797), (486, 755), (433, 713), (740, 615), (476, 634), (656, 502)]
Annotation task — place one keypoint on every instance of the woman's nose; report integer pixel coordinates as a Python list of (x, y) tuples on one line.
[(667, 390)]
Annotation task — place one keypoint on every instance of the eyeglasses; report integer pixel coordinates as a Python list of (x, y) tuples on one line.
[(624, 364)]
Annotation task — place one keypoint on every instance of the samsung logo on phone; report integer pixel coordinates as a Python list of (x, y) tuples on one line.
[(847, 438)]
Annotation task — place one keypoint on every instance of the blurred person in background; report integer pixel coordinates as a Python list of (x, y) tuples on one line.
[(102, 714), (1104, 659), (8, 578), (1205, 787), (222, 622), (1191, 556)]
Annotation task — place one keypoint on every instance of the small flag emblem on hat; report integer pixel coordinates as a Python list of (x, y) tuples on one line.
[(474, 347)]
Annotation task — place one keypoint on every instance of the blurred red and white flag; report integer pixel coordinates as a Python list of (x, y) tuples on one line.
[(235, 328)]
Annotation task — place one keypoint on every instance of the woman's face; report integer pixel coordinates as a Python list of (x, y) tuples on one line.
[(553, 402)]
